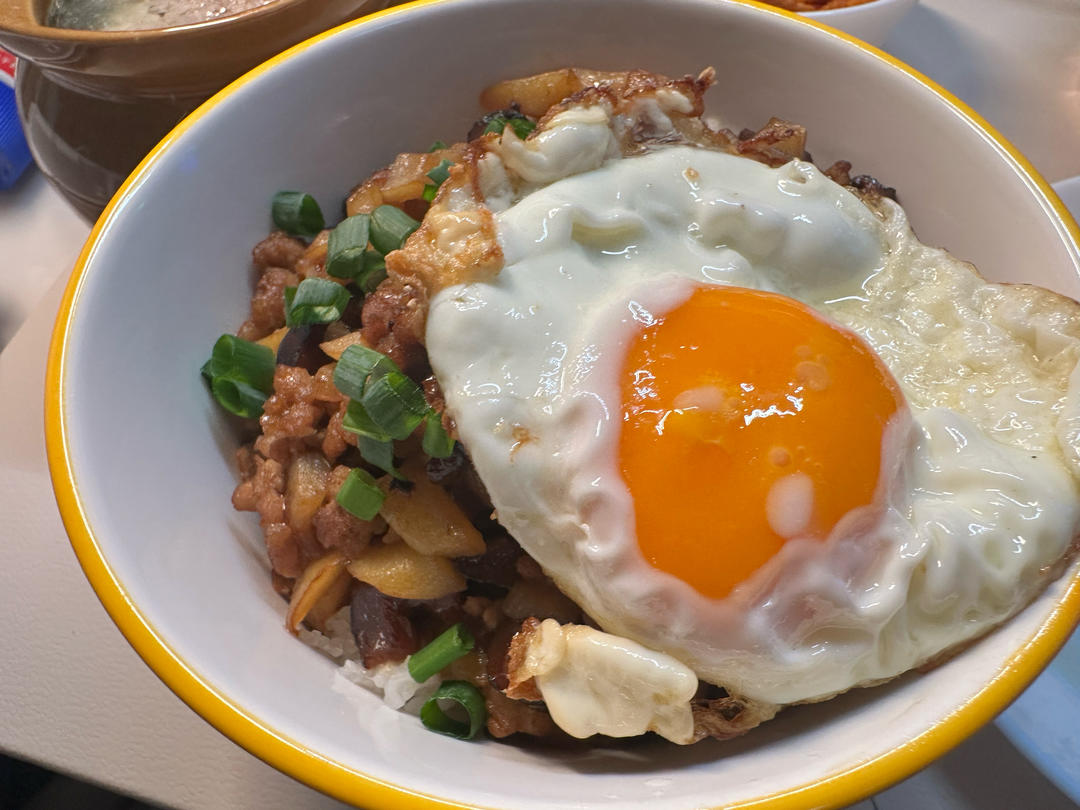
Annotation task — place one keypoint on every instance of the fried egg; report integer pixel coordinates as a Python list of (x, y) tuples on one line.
[(747, 422)]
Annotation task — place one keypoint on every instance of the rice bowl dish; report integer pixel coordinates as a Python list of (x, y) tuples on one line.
[(770, 745), (645, 334)]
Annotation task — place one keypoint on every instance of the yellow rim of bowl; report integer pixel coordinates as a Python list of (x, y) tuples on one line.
[(347, 784)]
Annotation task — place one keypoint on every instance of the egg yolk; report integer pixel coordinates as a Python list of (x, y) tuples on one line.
[(748, 420)]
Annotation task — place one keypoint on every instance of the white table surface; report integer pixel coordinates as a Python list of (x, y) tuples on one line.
[(76, 698)]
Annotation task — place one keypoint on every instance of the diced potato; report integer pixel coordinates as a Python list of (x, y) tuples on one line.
[(273, 340), (335, 348), (305, 489), (401, 181), (364, 199), (333, 599), (398, 570), (404, 191), (534, 94), (406, 176), (319, 578), (430, 521)]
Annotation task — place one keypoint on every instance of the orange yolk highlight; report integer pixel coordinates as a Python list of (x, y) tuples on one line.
[(748, 419)]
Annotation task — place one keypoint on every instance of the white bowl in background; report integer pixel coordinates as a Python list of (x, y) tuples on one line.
[(871, 21), (141, 457)]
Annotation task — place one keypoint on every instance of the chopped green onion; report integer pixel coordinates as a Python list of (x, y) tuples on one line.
[(242, 360), (375, 444), (437, 442), (465, 695), (316, 300), (446, 648), (238, 397), (435, 147), (374, 271), (390, 227), (354, 367), (347, 246), (520, 124), (379, 453), (297, 213), (439, 174), (360, 496), (385, 404), (241, 375), (356, 420), (395, 403), (522, 127)]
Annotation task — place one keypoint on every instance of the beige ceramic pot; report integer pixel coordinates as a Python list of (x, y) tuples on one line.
[(93, 103)]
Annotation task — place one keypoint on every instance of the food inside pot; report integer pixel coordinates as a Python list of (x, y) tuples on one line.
[(135, 15)]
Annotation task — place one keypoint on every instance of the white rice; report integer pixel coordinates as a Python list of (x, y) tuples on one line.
[(390, 681)]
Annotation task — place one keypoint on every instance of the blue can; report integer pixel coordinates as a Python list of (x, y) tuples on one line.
[(14, 153)]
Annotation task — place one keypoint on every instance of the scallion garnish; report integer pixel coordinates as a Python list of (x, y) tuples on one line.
[(437, 442), (380, 453), (297, 213), (519, 123), (238, 397), (385, 404), (241, 375), (522, 127), (440, 173), (242, 360), (360, 496), (447, 647), (390, 227), (347, 246), (315, 300), (375, 444), (354, 367), (435, 147), (374, 271), (395, 403), (464, 694), (356, 420), (437, 176)]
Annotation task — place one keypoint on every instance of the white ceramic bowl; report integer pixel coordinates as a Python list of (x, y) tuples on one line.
[(141, 457), (870, 22)]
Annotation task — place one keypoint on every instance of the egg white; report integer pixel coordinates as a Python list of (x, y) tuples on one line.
[(978, 476)]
